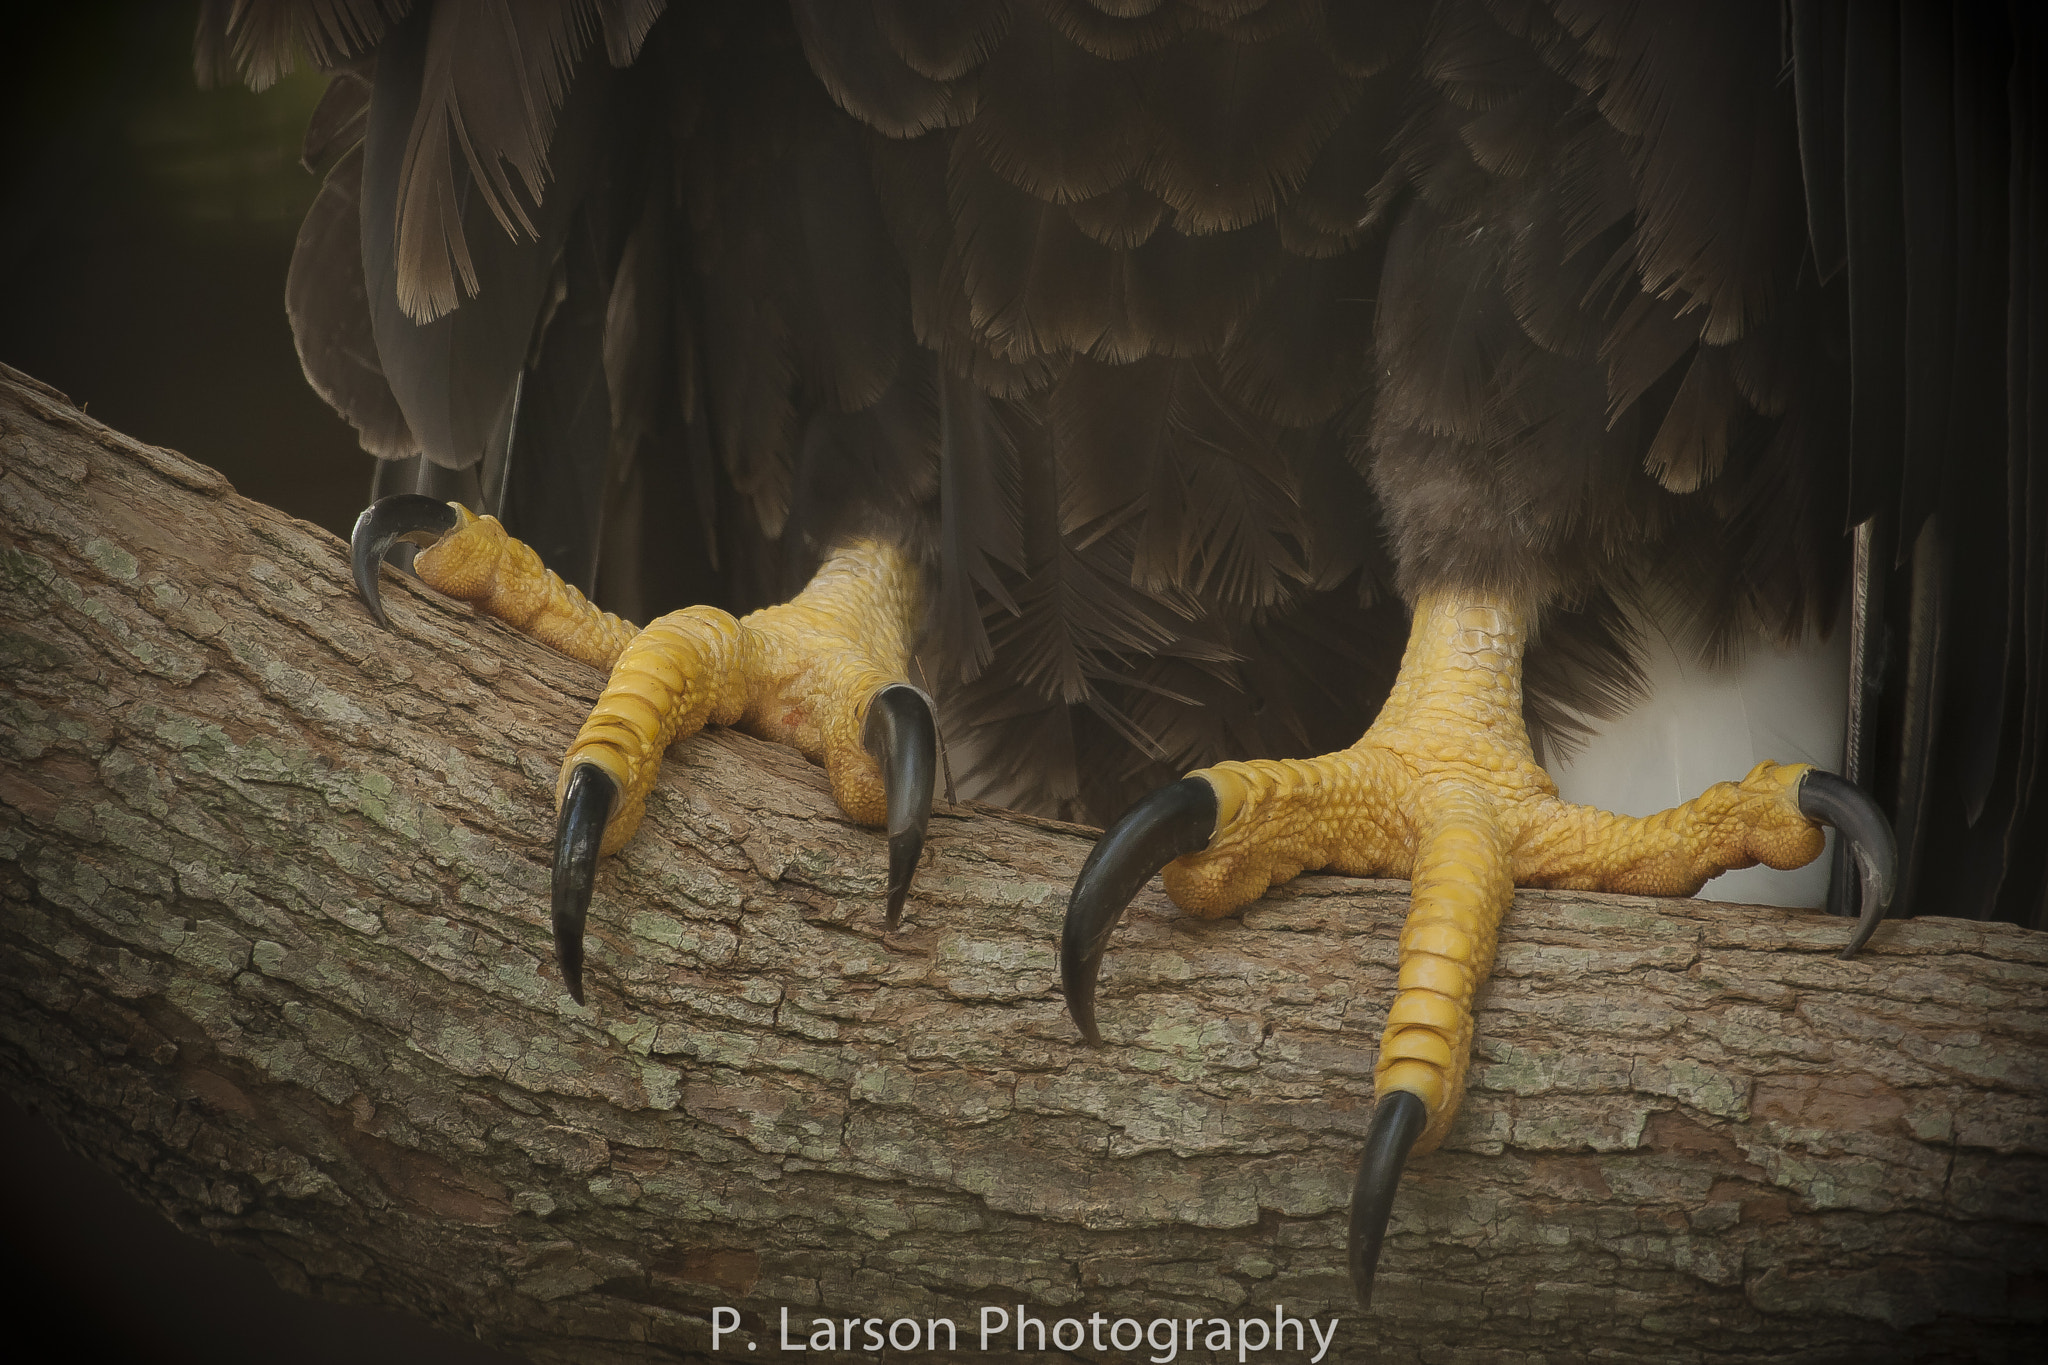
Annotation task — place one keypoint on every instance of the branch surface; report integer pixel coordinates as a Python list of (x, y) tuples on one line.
[(276, 951)]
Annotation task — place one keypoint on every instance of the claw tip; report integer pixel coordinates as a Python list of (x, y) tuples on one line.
[(1397, 1121), (380, 526), (579, 834)]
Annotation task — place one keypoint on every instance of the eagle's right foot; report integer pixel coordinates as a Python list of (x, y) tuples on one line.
[(825, 673), (1443, 790)]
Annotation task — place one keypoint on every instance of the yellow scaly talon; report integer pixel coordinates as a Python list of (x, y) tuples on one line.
[(1444, 790), (825, 673), (806, 673), (479, 563)]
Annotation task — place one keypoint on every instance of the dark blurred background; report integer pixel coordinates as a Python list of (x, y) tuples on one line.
[(145, 229)]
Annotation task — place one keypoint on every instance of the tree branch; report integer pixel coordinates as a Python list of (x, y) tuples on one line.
[(277, 952)]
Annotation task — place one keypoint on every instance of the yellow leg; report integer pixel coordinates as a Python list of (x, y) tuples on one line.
[(1443, 789)]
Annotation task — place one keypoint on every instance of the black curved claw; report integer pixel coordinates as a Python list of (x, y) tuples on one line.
[(1171, 823), (899, 732), (384, 523), (1397, 1121), (1836, 801), (579, 832)]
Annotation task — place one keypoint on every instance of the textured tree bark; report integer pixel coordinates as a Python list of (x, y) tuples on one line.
[(276, 951)]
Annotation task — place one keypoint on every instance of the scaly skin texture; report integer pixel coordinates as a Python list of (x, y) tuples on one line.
[(1444, 790), (481, 564), (801, 673)]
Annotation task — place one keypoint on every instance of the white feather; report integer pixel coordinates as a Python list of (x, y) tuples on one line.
[(1701, 725)]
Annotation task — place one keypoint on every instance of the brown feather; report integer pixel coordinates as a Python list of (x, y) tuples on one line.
[(1365, 37), (1174, 334), (1117, 32), (1692, 443), (494, 77), (942, 39), (257, 41), (339, 119), (852, 56), (1124, 217), (1238, 124), (624, 24), (1058, 123), (330, 317)]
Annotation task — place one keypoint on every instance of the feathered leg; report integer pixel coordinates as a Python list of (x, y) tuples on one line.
[(825, 673), (1443, 789)]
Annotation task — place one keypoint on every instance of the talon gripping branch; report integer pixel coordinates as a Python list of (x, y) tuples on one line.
[(1184, 389)]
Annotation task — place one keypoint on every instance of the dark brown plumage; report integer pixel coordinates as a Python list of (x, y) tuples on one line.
[(1186, 338)]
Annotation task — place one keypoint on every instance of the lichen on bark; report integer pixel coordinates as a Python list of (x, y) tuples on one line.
[(276, 951)]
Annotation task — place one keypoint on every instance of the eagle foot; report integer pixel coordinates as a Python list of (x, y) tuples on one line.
[(1444, 790), (823, 673), (472, 558)]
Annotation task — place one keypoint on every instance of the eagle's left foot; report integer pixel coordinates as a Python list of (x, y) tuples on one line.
[(824, 673), (1443, 790)]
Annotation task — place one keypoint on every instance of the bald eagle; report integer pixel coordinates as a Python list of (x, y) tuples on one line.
[(1171, 392)]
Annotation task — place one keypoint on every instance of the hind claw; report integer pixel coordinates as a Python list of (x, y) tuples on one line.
[(1835, 801), (385, 522)]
